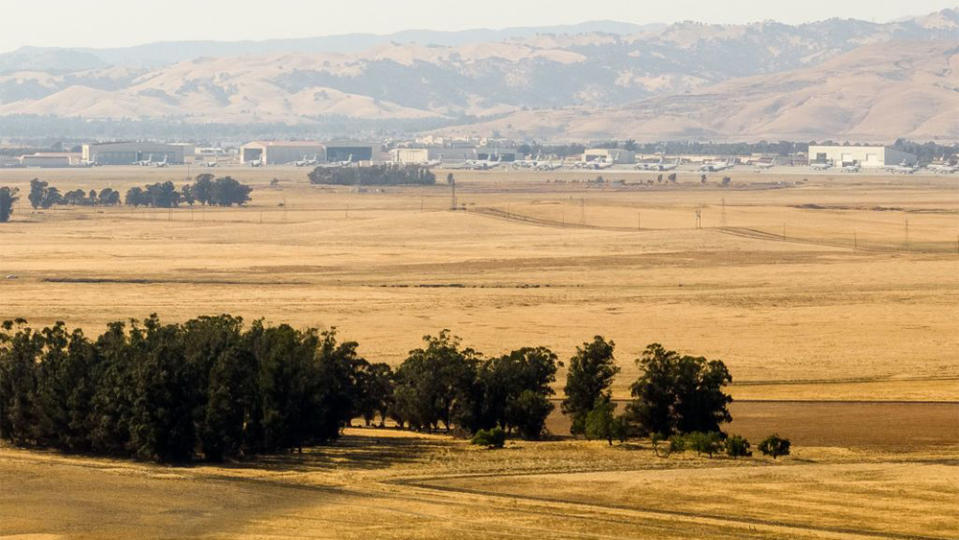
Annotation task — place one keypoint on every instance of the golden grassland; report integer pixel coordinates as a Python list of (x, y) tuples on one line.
[(390, 484), (843, 305), (851, 304)]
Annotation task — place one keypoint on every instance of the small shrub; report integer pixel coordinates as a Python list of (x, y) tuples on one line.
[(657, 440), (677, 443), (490, 438), (737, 446), (774, 446), (705, 443)]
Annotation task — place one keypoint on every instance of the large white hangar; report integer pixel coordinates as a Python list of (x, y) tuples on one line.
[(867, 157), (281, 152), (127, 153)]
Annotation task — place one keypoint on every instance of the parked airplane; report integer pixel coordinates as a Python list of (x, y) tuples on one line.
[(595, 164), (850, 167), (548, 166), (308, 162), (903, 168), (348, 162), (145, 162), (821, 165), (482, 164), (716, 166), (661, 165), (161, 164), (942, 168), (256, 163)]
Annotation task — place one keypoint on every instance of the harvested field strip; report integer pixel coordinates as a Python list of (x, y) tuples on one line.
[(741, 232), (771, 526), (144, 281), (866, 424), (850, 244)]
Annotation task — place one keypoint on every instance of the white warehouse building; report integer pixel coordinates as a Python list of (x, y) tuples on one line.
[(610, 155), (867, 157)]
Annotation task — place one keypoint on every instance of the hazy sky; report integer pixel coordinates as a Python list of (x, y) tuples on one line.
[(110, 23)]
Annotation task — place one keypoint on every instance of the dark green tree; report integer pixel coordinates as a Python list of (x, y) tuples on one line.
[(775, 446), (202, 189), (515, 391), (136, 197), (226, 192), (602, 423), (18, 382), (437, 384), (705, 443), (8, 196), (590, 375), (38, 190), (737, 446), (678, 394)]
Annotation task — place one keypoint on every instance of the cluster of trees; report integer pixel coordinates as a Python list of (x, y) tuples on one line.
[(443, 385), (8, 196), (43, 195), (208, 387), (376, 175), (216, 389), (674, 394), (205, 190), (928, 152)]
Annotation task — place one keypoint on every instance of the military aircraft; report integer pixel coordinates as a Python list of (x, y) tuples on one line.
[(821, 165), (716, 166), (942, 168), (903, 168)]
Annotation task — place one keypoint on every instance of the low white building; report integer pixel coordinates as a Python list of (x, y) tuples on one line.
[(867, 157), (614, 155), (410, 155), (281, 152), (50, 159)]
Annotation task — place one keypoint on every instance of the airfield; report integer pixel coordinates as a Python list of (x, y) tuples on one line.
[(832, 297)]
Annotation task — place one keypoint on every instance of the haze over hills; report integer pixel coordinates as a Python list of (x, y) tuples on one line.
[(834, 78), (874, 93)]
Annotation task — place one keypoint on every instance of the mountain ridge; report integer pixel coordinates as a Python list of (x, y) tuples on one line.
[(529, 81)]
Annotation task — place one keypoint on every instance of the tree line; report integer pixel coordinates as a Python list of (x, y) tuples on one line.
[(43, 196), (213, 388), (208, 387), (205, 190), (375, 175)]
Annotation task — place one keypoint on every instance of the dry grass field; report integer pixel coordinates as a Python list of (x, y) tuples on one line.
[(535, 261), (387, 484), (810, 291)]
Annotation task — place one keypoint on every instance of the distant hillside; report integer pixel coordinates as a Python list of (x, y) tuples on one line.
[(875, 93), (153, 55), (682, 80)]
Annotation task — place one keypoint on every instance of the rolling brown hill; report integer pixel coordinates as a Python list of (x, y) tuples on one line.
[(877, 92), (828, 79)]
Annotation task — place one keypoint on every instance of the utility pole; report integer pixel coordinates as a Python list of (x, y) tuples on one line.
[(452, 191), (723, 216), (699, 218), (907, 233), (582, 211), (639, 221)]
